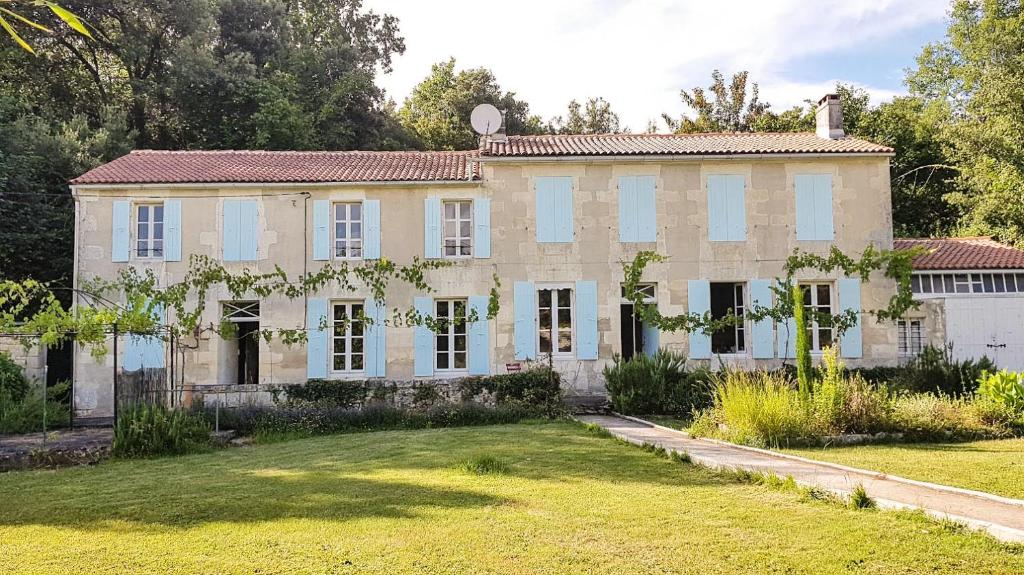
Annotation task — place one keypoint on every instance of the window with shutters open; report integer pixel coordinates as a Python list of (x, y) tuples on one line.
[(727, 300), (818, 301), (348, 230), (458, 228), (149, 230), (451, 349), (555, 318), (347, 338)]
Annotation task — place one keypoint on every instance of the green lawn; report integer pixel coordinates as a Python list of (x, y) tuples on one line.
[(995, 466), (395, 502)]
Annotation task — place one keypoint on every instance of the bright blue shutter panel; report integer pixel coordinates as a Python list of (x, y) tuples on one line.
[(762, 340), (479, 337), (628, 209), (316, 338), (432, 228), (554, 209), (371, 230), (524, 306), (545, 209), (699, 301), (172, 230), (736, 210), (321, 230), (804, 185), (482, 227), (718, 222), (132, 356), (652, 339), (646, 210), (850, 344), (121, 240), (564, 226), (153, 345), (423, 339), (823, 227), (230, 234), (375, 339), (586, 319), (248, 230), (785, 334)]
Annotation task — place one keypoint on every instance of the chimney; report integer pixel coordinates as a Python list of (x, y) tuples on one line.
[(829, 117)]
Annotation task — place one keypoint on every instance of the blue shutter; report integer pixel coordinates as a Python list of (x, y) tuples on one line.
[(371, 230), (646, 210), (652, 339), (814, 207), (762, 341), (321, 230), (423, 339), (699, 301), (718, 223), (785, 334), (172, 230), (545, 209), (525, 306), (375, 340), (316, 339), (823, 226), (736, 210), (554, 209), (121, 240), (482, 227), (628, 209), (145, 351), (586, 319), (564, 226), (479, 337), (432, 228), (850, 344), (248, 230), (230, 233)]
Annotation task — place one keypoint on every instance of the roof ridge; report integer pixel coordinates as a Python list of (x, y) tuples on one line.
[(312, 152)]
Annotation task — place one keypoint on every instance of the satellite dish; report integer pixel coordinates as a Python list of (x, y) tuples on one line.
[(485, 119)]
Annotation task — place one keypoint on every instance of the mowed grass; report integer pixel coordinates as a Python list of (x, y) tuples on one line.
[(994, 466), (565, 501)]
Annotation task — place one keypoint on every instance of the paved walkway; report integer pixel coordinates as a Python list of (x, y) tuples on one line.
[(1002, 517)]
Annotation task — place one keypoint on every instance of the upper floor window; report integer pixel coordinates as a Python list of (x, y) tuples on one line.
[(458, 228), (555, 321), (149, 241), (348, 230), (451, 349), (818, 301), (347, 350)]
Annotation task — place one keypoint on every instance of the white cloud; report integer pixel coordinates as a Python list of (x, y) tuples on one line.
[(638, 54)]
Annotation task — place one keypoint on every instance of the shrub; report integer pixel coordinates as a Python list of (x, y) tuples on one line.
[(13, 384), (1003, 387), (345, 393), (759, 408), (923, 416), (26, 415), (537, 388), (657, 384), (859, 498), (935, 371), (147, 430)]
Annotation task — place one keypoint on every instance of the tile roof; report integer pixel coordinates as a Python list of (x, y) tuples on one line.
[(976, 253), (162, 167), (677, 144)]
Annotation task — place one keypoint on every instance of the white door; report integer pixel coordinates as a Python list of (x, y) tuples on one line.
[(987, 325)]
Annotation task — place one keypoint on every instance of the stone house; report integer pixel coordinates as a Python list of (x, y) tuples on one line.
[(553, 217)]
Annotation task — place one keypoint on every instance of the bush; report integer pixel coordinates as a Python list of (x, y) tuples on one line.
[(537, 388), (26, 415), (345, 393), (1003, 387), (935, 371), (657, 384), (13, 385), (758, 408), (148, 430)]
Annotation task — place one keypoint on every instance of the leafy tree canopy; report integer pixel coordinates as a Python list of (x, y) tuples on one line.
[(595, 117)]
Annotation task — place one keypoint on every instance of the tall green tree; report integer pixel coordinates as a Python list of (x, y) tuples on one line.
[(977, 72), (595, 117), (438, 109), (721, 108)]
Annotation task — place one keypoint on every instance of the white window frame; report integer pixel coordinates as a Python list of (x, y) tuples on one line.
[(906, 345), (353, 246), (926, 285), (347, 336), (553, 329), (812, 323), (238, 311), (458, 220), (150, 224), (738, 308), (453, 331)]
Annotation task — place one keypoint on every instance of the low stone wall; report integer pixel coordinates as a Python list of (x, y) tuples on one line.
[(355, 393), (32, 360)]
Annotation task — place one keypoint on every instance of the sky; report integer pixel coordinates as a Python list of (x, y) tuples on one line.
[(639, 54)]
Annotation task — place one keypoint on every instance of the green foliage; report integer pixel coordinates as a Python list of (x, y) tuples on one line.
[(484, 464), (596, 117), (656, 384), (804, 372), (340, 392), (1003, 387), (150, 430), (26, 415), (538, 388), (859, 498), (935, 371), (758, 408), (722, 108), (13, 384)]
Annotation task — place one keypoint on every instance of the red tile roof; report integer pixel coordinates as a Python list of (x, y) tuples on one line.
[(977, 253), (163, 167), (681, 144)]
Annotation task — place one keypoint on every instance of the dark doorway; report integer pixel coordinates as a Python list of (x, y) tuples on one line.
[(248, 352), (632, 330), (58, 363)]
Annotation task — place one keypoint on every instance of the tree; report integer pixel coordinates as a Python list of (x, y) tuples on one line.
[(7, 15), (977, 73), (722, 108), (437, 111), (596, 117)]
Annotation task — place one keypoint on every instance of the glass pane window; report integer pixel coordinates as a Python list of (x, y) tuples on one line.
[(458, 228), (348, 230), (726, 302), (347, 352), (149, 240), (818, 307), (451, 345), (910, 337), (554, 321)]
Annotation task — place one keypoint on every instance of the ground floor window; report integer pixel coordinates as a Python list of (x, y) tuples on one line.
[(910, 337), (451, 354), (554, 321), (818, 305), (347, 351), (727, 300), (636, 336), (241, 359)]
